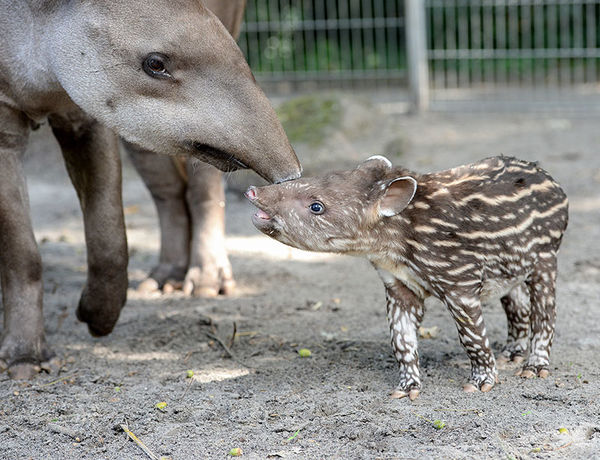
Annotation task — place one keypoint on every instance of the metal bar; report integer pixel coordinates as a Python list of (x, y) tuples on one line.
[(591, 72), (417, 53), (533, 53)]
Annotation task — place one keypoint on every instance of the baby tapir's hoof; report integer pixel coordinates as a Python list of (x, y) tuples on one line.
[(506, 360), (529, 372), (471, 388), (481, 382), (399, 394)]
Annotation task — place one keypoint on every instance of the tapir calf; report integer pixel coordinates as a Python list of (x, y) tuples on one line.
[(166, 76), (487, 230)]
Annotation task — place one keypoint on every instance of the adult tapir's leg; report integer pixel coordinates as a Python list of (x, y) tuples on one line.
[(168, 187), (209, 272), (190, 204), (91, 155), (23, 344)]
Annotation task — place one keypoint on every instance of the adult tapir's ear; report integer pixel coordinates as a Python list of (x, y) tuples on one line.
[(376, 161), (398, 194)]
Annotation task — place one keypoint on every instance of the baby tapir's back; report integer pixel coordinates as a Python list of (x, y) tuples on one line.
[(499, 216)]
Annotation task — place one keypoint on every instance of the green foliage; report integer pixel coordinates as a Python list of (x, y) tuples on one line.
[(306, 118)]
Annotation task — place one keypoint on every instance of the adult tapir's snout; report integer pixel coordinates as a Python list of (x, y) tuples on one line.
[(247, 134), (169, 78)]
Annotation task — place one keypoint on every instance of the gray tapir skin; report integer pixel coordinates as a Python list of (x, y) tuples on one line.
[(190, 201), (166, 76)]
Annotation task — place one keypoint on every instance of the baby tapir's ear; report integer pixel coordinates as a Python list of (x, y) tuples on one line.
[(397, 196), (376, 161)]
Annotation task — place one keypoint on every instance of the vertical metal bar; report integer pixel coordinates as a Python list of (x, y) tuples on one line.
[(476, 43), (539, 24), (380, 45), (564, 44), (321, 45), (357, 49), (346, 54), (274, 35), (591, 45), (290, 27), (578, 31), (552, 43), (437, 38), (515, 60), (369, 37), (487, 12), (450, 38), (417, 53), (500, 45), (462, 32), (527, 43), (332, 35)]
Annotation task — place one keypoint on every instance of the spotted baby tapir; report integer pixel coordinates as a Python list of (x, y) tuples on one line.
[(486, 230)]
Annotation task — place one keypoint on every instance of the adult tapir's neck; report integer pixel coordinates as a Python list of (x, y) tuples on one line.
[(27, 30)]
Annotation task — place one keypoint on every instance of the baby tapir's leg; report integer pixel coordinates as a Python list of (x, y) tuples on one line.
[(543, 317), (466, 311), (517, 308), (404, 314)]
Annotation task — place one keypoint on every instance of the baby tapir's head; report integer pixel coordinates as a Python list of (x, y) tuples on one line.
[(332, 213)]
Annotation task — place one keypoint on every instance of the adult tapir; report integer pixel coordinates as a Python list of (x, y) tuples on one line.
[(166, 76), (191, 207)]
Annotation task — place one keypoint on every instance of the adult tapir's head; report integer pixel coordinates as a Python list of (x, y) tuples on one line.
[(166, 75)]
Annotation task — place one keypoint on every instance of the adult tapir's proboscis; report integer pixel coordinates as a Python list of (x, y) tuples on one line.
[(166, 76)]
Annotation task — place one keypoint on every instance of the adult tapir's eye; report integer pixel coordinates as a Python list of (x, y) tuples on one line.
[(317, 208), (155, 65)]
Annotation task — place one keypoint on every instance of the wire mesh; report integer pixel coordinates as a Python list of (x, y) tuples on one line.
[(326, 42), (524, 52)]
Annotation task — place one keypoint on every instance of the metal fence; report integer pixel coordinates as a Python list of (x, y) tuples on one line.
[(325, 42), (544, 52), (509, 51)]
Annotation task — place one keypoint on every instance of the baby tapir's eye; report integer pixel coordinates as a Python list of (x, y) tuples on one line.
[(317, 208)]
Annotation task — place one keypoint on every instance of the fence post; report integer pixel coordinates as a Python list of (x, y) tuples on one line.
[(416, 52)]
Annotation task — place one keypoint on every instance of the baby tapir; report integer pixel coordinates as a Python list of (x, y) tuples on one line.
[(491, 229)]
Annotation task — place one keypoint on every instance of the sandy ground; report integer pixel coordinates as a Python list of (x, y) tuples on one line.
[(269, 401)]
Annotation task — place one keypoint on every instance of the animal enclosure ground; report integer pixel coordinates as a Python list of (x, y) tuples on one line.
[(263, 397)]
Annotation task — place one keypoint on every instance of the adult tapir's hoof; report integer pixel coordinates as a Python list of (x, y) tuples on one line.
[(100, 308), (209, 282), (24, 361)]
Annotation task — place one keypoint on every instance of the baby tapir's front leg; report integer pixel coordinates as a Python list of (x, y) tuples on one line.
[(404, 314), (467, 314)]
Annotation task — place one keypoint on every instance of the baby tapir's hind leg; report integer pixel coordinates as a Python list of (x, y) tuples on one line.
[(517, 308), (404, 314), (543, 317), (466, 311)]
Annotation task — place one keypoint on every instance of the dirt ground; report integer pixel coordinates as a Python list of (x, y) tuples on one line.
[(266, 399)]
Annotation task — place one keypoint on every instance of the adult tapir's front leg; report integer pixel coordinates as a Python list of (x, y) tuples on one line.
[(92, 158), (23, 345), (209, 272)]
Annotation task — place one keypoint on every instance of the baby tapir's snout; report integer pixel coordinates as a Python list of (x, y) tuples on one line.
[(491, 229)]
